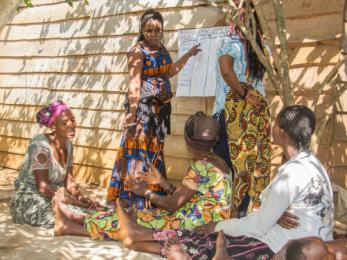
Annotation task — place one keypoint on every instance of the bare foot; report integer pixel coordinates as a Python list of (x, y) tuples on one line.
[(62, 224), (128, 227), (221, 250), (59, 219), (133, 234), (175, 251), (60, 200)]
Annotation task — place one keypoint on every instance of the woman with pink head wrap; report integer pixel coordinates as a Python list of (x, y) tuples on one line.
[(47, 115), (47, 166)]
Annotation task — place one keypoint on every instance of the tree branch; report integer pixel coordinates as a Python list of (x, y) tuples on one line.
[(326, 81), (288, 97), (269, 37), (327, 113)]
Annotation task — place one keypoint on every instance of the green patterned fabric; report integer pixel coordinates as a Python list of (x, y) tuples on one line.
[(210, 203), (27, 205)]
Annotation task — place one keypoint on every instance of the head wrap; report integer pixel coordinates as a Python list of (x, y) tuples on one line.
[(47, 115), (201, 132)]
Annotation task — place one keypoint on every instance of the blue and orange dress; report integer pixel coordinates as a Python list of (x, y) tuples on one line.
[(153, 113)]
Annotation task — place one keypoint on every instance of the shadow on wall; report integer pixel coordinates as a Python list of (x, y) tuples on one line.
[(78, 55)]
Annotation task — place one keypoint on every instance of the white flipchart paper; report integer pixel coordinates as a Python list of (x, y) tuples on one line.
[(198, 76)]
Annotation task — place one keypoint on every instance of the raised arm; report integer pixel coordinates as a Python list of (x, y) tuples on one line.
[(135, 66), (154, 177), (179, 64)]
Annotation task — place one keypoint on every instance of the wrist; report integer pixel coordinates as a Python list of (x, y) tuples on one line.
[(246, 89), (170, 189)]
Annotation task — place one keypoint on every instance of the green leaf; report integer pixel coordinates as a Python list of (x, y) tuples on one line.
[(86, 2), (28, 3), (69, 2)]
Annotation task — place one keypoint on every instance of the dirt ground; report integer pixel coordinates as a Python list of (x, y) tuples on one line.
[(27, 242)]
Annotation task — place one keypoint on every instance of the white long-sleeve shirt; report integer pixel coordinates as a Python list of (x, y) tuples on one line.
[(301, 183)]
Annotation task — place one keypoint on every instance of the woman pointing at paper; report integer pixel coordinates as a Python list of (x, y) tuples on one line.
[(243, 112), (148, 108)]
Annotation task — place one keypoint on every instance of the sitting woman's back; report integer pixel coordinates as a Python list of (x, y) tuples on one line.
[(301, 185)]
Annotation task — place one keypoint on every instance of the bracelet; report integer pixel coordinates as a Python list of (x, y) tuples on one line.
[(171, 189), (148, 194)]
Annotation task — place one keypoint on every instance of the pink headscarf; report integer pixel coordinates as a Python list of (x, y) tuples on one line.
[(47, 115)]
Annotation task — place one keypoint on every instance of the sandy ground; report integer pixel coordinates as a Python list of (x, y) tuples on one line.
[(27, 242)]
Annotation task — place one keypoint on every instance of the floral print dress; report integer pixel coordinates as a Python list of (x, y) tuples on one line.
[(210, 203), (27, 205)]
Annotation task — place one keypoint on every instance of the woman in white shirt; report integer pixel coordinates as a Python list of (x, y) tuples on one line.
[(301, 184)]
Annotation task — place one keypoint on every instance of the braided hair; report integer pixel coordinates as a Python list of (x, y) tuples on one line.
[(148, 15), (255, 68), (299, 123)]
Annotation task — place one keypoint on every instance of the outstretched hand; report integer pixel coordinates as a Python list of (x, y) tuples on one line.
[(138, 187), (153, 176), (194, 50)]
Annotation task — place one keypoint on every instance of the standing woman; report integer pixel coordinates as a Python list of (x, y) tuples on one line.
[(148, 108), (241, 93)]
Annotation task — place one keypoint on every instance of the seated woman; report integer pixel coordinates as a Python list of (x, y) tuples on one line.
[(47, 166), (204, 197), (301, 183)]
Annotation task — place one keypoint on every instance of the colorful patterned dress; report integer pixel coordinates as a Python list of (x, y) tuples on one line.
[(153, 113), (248, 130), (203, 246), (210, 203), (27, 205)]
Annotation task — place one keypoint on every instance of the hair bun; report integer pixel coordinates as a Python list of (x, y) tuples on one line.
[(201, 131)]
